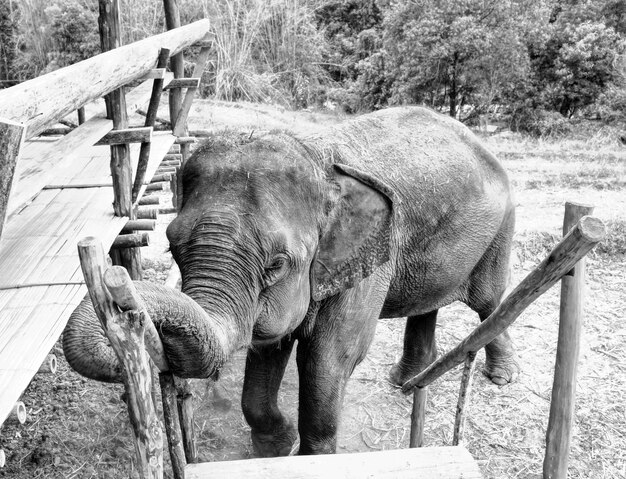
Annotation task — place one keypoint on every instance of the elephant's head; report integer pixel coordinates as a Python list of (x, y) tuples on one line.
[(268, 226), (267, 229)]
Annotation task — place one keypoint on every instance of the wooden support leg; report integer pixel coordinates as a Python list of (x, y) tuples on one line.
[(418, 414), (464, 394), (172, 425), (559, 432), (121, 170), (185, 411), (11, 139)]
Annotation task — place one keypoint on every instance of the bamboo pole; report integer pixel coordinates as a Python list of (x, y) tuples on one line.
[(125, 332), (580, 240), (40, 102), (418, 415), (49, 365), (18, 413), (559, 431)]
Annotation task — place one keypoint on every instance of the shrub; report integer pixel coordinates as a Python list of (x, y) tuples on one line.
[(540, 123)]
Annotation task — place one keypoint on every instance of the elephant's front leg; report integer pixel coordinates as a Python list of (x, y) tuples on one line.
[(273, 434), (342, 334)]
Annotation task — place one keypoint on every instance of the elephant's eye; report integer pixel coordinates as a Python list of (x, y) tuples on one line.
[(277, 269)]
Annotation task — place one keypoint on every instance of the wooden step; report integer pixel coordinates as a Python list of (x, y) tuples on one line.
[(453, 462)]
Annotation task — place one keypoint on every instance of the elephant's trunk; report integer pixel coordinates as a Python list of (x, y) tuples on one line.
[(196, 344)]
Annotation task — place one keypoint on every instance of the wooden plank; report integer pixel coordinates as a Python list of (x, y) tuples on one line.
[(418, 463), (183, 83), (129, 135), (40, 102), (559, 431), (580, 240), (11, 141)]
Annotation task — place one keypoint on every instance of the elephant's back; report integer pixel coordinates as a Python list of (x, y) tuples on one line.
[(451, 198)]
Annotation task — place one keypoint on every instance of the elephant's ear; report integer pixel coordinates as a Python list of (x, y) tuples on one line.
[(356, 240)]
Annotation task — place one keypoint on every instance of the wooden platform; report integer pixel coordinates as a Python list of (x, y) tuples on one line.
[(63, 194), (419, 463)]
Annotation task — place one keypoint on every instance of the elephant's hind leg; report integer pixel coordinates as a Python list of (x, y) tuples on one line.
[(487, 287), (273, 434), (419, 349)]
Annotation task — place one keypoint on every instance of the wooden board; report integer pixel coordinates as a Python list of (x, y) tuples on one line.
[(417, 463), (41, 282)]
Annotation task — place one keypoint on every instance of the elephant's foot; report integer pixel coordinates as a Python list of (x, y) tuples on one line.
[(502, 370), (278, 443), (401, 372)]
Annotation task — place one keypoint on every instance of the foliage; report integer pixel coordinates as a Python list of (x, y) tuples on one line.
[(266, 50), (8, 47)]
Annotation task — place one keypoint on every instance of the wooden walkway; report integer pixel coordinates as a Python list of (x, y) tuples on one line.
[(62, 195)]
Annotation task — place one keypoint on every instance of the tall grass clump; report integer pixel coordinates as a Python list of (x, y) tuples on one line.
[(266, 51)]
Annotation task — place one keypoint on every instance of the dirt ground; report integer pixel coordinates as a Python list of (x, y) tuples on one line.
[(78, 428)]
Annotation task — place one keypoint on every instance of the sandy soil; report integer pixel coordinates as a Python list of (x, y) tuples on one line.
[(79, 428)]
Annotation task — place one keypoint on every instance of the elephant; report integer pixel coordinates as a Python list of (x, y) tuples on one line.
[(285, 238)]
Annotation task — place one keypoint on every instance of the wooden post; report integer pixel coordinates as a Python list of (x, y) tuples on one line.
[(11, 140), (580, 240), (559, 432), (125, 332), (81, 115), (418, 414), (185, 412), (172, 425), (3, 458), (151, 114), (18, 413), (464, 394), (121, 170), (172, 20)]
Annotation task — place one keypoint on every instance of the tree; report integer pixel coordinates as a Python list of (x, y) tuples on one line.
[(453, 52), (8, 34)]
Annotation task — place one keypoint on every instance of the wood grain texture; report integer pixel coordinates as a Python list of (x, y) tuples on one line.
[(580, 240), (417, 463), (559, 430), (125, 332), (40, 102), (129, 135), (185, 108)]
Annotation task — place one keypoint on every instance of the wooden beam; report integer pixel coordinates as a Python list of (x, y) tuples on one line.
[(155, 74), (141, 111), (173, 157), (43, 100), (580, 240), (184, 398), (11, 141), (131, 241), (147, 213), (125, 136), (139, 225), (421, 463), (183, 83), (18, 413), (149, 200), (559, 431), (183, 140)]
